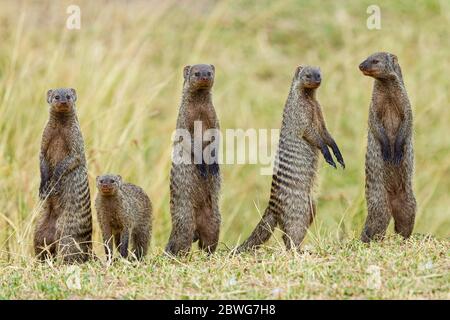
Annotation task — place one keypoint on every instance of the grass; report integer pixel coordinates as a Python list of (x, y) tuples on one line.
[(126, 63), (394, 269)]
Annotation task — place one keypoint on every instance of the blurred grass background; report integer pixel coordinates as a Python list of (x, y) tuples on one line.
[(126, 64)]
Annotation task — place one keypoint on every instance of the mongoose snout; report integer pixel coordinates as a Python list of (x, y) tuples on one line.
[(108, 184), (311, 78), (61, 100), (379, 65), (200, 76)]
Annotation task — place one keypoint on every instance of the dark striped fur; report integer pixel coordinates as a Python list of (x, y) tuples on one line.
[(303, 134)]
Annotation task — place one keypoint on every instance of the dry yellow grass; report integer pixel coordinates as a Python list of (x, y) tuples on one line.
[(126, 63)]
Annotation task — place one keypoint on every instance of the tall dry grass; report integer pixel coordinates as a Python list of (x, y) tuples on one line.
[(126, 63)]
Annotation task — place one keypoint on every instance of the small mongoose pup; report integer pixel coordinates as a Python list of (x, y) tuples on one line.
[(125, 214), (389, 156), (65, 223), (303, 134), (195, 186)]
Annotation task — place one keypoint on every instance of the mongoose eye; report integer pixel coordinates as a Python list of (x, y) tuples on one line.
[(375, 61), (197, 74), (57, 97), (209, 74), (68, 97), (308, 76)]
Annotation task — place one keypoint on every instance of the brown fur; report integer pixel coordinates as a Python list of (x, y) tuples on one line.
[(303, 134), (195, 187), (390, 155), (125, 215), (65, 224)]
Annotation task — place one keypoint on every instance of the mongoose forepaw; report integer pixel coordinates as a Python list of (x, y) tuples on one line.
[(43, 190), (386, 152), (214, 169), (398, 157), (203, 170), (327, 155)]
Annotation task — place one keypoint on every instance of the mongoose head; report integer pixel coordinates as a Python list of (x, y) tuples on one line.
[(62, 99), (109, 184), (199, 77), (381, 65), (308, 77)]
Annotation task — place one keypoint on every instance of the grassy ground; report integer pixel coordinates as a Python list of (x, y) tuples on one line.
[(126, 63), (394, 269)]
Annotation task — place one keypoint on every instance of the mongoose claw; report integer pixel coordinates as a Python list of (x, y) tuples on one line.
[(398, 157), (203, 170), (338, 154), (43, 190), (386, 152), (327, 155), (332, 163), (214, 169)]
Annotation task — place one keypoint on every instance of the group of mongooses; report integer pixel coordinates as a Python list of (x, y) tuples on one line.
[(125, 211)]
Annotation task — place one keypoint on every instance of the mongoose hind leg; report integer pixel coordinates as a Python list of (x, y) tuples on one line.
[(378, 213), (124, 240), (296, 221), (403, 207), (140, 240), (183, 228), (45, 235), (71, 251), (208, 228)]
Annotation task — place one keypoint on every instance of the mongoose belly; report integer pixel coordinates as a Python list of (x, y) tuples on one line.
[(57, 150), (295, 169), (75, 205)]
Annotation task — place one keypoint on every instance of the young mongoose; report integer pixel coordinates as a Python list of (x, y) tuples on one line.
[(125, 213), (195, 187), (303, 134), (65, 224), (390, 156)]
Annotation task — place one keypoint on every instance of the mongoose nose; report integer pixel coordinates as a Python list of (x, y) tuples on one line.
[(361, 66)]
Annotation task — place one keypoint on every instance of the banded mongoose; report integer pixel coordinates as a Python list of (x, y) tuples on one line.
[(65, 225), (303, 134), (125, 214), (195, 187), (389, 156)]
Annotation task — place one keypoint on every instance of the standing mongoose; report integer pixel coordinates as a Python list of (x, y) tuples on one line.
[(303, 134), (124, 212), (389, 156), (65, 224), (195, 187)]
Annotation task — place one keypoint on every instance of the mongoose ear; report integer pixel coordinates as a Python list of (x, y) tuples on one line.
[(49, 95), (214, 68), (394, 58), (186, 72), (74, 94), (119, 177), (299, 69), (97, 179)]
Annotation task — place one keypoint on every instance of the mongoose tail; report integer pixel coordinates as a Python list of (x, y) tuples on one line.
[(390, 155), (262, 232)]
